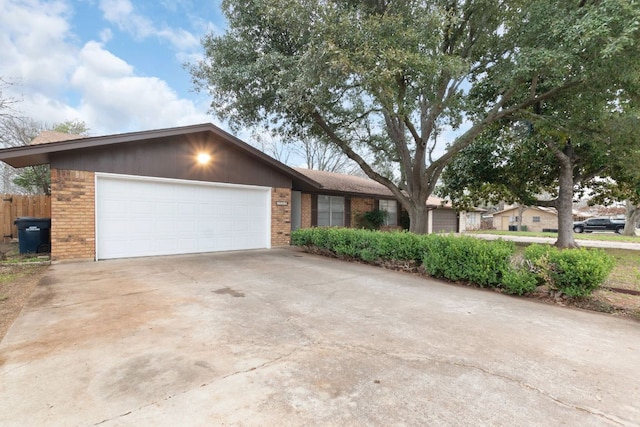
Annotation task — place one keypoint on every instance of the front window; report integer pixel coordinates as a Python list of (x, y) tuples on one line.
[(330, 211), (472, 218), (536, 219), (391, 208)]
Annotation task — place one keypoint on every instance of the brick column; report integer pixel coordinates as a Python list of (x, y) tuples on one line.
[(305, 210), (72, 215), (280, 216)]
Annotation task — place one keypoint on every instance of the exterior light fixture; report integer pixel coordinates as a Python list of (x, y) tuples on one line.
[(203, 158)]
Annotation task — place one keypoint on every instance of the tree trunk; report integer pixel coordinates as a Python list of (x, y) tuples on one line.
[(564, 203), (418, 217), (632, 218), (521, 209)]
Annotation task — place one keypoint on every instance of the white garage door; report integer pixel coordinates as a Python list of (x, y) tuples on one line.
[(148, 216)]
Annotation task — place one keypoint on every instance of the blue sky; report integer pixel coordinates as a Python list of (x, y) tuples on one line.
[(115, 64)]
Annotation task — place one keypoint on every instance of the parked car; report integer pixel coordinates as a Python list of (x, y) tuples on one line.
[(599, 224)]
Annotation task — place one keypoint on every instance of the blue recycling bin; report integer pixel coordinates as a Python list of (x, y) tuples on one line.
[(34, 234)]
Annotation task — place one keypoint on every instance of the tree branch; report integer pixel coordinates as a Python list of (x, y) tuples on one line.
[(346, 149)]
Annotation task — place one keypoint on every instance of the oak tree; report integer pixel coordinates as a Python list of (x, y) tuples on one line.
[(382, 80)]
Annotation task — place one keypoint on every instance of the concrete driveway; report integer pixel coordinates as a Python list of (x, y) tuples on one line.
[(281, 337)]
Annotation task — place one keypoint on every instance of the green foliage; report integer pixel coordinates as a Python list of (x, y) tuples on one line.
[(454, 258), (380, 80), (72, 127), (372, 220), (519, 281), (363, 244), (574, 272), (34, 179), (480, 262)]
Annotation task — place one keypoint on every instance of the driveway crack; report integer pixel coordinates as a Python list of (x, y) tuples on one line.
[(409, 357), (243, 371)]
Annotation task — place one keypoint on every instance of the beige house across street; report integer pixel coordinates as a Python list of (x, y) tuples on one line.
[(534, 218)]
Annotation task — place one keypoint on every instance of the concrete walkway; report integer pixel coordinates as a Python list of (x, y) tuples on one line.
[(281, 337)]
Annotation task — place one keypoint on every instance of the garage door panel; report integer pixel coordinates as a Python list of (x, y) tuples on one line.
[(445, 221), (145, 217)]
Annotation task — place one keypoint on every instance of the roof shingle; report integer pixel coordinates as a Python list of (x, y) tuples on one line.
[(343, 183), (49, 136)]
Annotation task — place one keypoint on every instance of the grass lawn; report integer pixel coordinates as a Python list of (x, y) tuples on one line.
[(626, 274), (612, 237)]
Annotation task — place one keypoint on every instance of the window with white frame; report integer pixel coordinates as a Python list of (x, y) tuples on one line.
[(330, 211), (536, 219), (472, 218), (391, 208)]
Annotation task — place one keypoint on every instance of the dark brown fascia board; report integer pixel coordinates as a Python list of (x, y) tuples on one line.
[(30, 155)]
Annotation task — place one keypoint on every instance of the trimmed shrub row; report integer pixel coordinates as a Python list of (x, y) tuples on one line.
[(574, 272)]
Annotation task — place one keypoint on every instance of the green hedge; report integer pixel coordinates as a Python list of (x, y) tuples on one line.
[(367, 245), (575, 272), (481, 262)]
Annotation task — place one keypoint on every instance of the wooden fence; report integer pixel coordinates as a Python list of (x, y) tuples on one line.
[(18, 205)]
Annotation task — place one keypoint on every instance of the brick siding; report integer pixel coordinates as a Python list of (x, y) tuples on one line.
[(305, 211), (72, 215), (280, 217), (358, 207)]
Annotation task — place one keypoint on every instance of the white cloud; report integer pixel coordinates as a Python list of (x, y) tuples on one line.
[(35, 43), (57, 79), (115, 98), (123, 14), (106, 35)]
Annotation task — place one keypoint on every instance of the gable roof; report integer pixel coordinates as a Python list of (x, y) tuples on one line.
[(348, 184), (51, 143)]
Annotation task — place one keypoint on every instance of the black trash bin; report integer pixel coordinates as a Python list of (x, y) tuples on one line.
[(34, 234)]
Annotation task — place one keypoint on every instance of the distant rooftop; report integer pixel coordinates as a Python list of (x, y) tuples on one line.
[(49, 136)]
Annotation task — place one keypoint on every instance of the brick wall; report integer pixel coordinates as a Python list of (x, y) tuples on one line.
[(280, 216), (358, 207), (305, 211), (72, 215)]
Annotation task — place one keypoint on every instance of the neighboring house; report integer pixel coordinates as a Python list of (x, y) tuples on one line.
[(191, 189), (473, 220), (534, 218), (443, 218)]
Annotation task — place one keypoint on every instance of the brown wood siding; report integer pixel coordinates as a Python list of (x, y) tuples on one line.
[(175, 157)]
